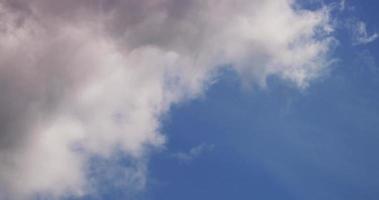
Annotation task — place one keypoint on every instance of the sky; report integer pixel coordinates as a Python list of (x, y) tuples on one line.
[(197, 99)]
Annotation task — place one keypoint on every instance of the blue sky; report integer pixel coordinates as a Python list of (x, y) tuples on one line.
[(279, 142), (184, 100)]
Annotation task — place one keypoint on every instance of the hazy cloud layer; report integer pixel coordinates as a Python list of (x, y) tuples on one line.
[(85, 78)]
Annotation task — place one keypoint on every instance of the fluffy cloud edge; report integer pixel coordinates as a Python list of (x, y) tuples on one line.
[(78, 84)]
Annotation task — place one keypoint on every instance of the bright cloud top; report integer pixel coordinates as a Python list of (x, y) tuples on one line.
[(85, 78)]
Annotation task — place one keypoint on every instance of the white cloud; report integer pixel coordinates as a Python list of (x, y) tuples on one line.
[(193, 153), (80, 79), (360, 34)]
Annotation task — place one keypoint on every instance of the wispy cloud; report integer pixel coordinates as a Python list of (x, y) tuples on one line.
[(361, 35), (342, 5), (193, 153)]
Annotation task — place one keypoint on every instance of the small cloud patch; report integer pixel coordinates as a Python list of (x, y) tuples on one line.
[(193, 153), (361, 35)]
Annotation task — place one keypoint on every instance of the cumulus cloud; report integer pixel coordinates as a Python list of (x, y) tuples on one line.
[(91, 78)]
